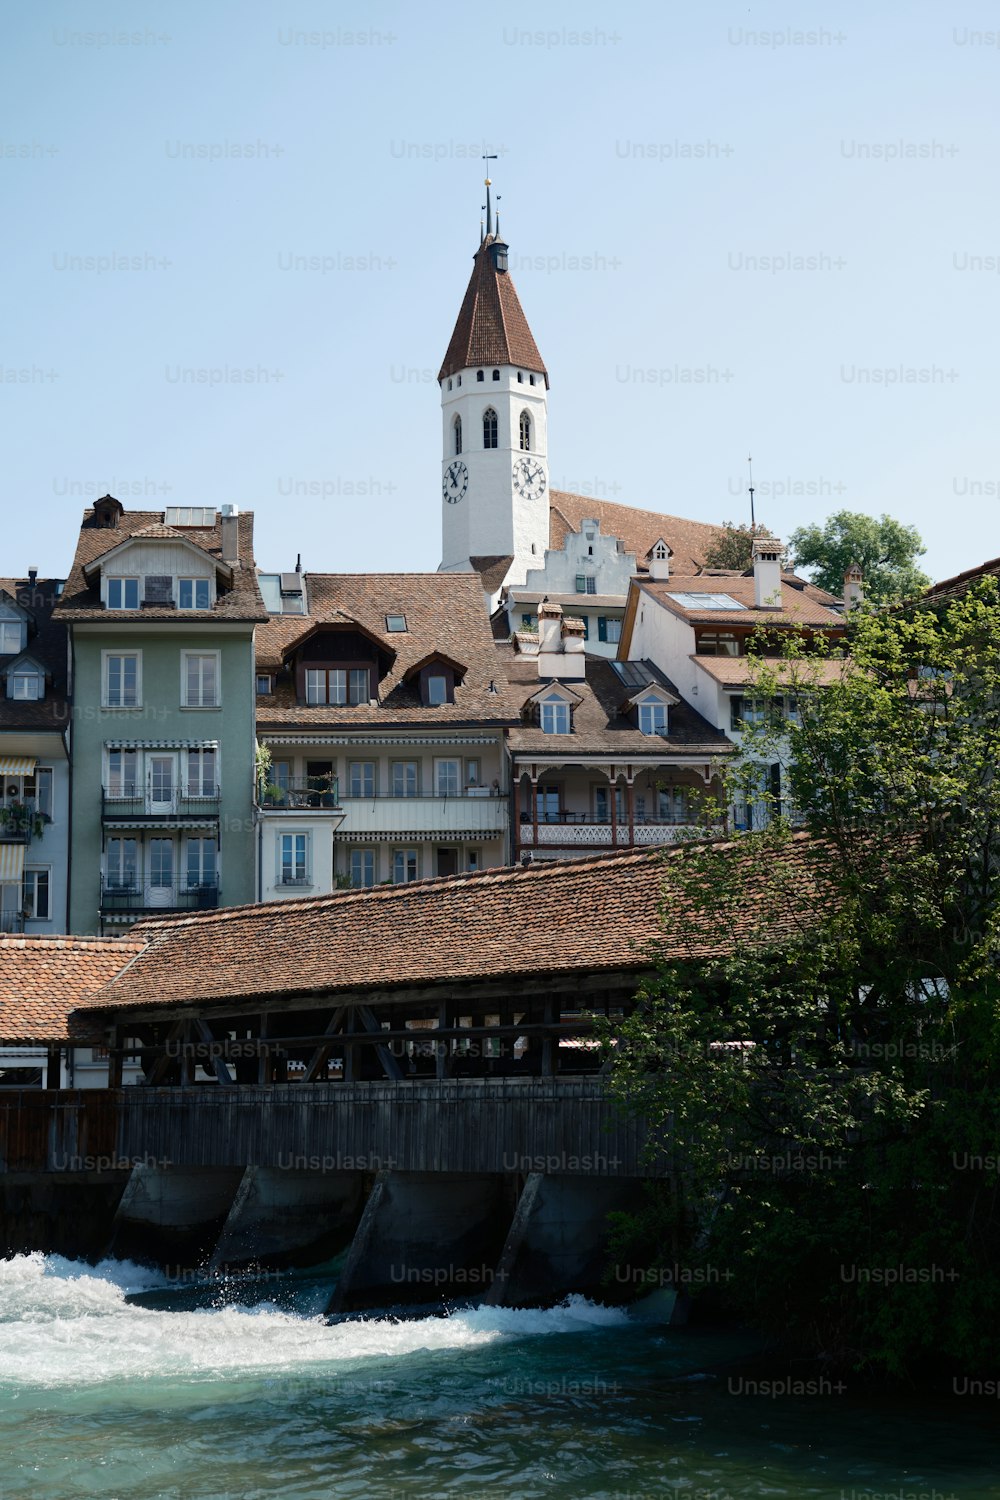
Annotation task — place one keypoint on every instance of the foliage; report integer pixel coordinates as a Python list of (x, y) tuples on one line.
[(732, 546), (824, 1087), (885, 550)]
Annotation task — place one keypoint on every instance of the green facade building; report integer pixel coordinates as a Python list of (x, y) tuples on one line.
[(161, 608)]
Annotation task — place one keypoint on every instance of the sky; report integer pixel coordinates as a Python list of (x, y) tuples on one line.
[(237, 234)]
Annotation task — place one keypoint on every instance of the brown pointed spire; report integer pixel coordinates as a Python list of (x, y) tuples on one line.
[(491, 327)]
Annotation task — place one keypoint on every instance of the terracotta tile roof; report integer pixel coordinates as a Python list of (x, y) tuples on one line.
[(82, 601), (42, 980), (736, 671), (491, 327), (445, 613), (555, 917), (638, 529), (47, 646), (492, 571), (799, 606), (600, 727), (956, 587)]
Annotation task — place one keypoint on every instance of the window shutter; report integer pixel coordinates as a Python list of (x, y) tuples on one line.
[(581, 583), (602, 628)]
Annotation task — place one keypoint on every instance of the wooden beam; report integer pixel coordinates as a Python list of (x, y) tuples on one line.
[(321, 1056), (161, 1066), (221, 1068), (389, 1063)]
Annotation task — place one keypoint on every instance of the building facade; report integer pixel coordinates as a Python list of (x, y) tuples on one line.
[(381, 708), (161, 609), (34, 758)]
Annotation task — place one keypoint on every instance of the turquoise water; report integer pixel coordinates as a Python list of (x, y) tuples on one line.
[(165, 1399)]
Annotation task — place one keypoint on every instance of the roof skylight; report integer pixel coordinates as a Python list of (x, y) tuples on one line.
[(707, 601)]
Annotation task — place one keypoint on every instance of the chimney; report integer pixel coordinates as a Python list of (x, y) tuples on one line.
[(574, 661), (659, 561), (766, 555), (854, 591), (230, 533), (32, 576), (550, 655)]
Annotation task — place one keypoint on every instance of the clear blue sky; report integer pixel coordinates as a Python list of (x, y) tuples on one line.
[(668, 144)]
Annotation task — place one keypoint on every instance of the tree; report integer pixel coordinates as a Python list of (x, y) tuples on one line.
[(884, 549), (732, 546), (819, 1054)]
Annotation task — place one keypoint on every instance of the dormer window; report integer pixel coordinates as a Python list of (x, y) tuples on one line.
[(554, 715), (123, 593), (337, 685), (11, 637), (653, 717), (437, 689), (489, 428), (194, 593), (25, 684)]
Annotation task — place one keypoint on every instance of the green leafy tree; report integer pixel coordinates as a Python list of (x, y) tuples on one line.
[(732, 546), (818, 1059), (885, 550)]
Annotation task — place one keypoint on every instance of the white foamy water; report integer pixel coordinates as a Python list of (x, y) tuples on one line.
[(64, 1323)]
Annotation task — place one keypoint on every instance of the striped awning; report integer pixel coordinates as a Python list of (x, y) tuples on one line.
[(160, 745), (17, 765), (11, 862)]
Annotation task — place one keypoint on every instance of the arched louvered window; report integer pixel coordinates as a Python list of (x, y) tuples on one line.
[(457, 424), (489, 428), (525, 432)]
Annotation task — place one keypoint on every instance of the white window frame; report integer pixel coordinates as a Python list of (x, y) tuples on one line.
[(187, 656), (432, 700), (123, 579), (116, 875), (449, 790), (199, 756), (363, 855), (554, 713), (202, 882), (44, 778), (121, 786), (352, 765), (194, 583), (32, 915), (12, 622), (26, 674), (398, 773), (106, 658), (293, 837), (649, 711)]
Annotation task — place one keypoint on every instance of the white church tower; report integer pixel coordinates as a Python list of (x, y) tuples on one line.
[(494, 465)]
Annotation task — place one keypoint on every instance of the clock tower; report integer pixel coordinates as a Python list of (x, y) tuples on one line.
[(494, 466)]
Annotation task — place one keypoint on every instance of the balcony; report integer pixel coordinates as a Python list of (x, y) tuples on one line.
[(573, 829), (11, 921), (143, 898), (128, 803), (475, 813), (20, 822), (320, 793)]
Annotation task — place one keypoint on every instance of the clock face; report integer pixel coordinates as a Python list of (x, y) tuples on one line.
[(455, 482), (529, 478)]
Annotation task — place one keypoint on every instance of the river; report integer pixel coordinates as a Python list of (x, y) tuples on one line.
[(116, 1385)]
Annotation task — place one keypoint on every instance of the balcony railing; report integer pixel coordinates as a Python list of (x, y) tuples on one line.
[(476, 813), (645, 819), (20, 822), (307, 791), (11, 921), (145, 896), (128, 800)]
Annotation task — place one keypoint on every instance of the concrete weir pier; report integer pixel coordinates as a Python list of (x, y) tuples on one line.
[(472, 1189)]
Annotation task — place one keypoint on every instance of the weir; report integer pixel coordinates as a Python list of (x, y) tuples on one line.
[(490, 1189)]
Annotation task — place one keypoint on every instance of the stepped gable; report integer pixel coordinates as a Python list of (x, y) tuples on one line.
[(240, 600), (46, 646), (43, 980), (637, 529), (553, 917), (445, 615), (491, 327)]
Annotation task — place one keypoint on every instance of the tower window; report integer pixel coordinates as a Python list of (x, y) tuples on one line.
[(520, 378), (458, 380), (449, 385), (496, 374), (480, 375), (489, 428), (458, 434), (531, 379), (525, 425)]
